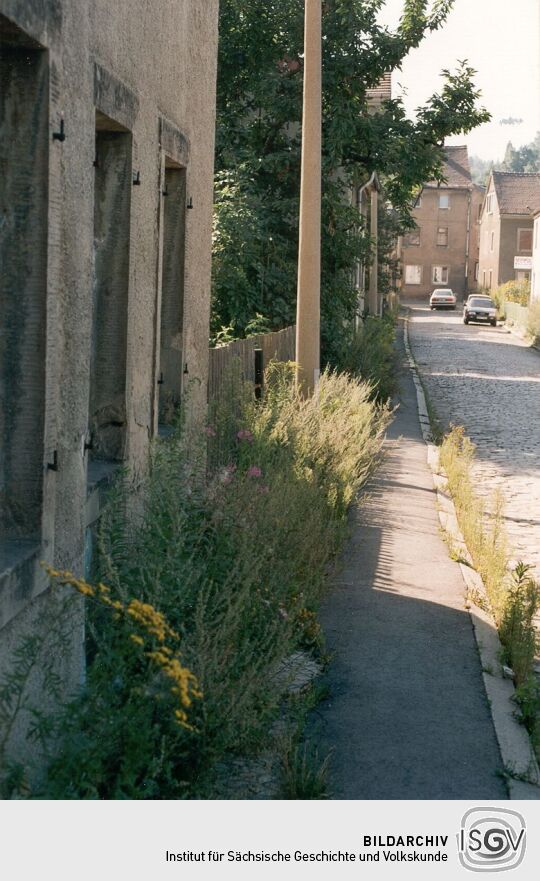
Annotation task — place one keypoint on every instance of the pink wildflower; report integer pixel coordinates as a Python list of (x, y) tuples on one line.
[(209, 431), (245, 434), (254, 471)]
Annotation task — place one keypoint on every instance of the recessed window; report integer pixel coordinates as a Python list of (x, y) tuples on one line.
[(413, 274), (476, 268), (412, 239), (490, 198), (440, 275), (490, 279), (524, 240), (173, 236), (442, 237), (444, 201), (24, 160), (113, 183), (492, 242)]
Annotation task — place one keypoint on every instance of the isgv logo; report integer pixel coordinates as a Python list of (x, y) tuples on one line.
[(492, 840)]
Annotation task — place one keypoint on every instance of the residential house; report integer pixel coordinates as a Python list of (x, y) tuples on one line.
[(506, 229), (442, 250), (535, 275), (107, 121)]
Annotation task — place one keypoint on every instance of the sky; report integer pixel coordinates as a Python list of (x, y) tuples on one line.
[(501, 40)]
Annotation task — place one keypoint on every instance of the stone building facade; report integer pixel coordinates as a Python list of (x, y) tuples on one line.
[(107, 121), (442, 251), (506, 229)]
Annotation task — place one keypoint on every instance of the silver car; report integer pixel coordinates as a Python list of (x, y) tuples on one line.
[(442, 298)]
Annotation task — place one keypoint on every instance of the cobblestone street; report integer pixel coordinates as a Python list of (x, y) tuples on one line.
[(488, 380)]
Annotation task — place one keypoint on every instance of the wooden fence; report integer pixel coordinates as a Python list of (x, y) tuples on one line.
[(253, 355)]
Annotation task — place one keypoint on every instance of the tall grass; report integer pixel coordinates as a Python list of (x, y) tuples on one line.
[(482, 530), (229, 547), (514, 596)]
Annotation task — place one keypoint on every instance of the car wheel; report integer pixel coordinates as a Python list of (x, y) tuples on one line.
[(465, 321), (493, 323)]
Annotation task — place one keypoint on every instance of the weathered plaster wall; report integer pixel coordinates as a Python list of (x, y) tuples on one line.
[(429, 217), (151, 68)]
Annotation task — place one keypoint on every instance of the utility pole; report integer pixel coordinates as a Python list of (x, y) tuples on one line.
[(309, 254)]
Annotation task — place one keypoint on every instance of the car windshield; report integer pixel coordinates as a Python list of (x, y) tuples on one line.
[(477, 302), (445, 292)]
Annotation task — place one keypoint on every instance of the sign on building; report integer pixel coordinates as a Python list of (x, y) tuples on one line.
[(523, 263)]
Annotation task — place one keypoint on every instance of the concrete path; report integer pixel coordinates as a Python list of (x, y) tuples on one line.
[(407, 716)]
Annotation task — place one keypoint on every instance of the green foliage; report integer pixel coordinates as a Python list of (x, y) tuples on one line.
[(224, 567), (514, 597), (482, 531), (512, 292), (517, 630), (524, 160), (258, 152), (372, 355)]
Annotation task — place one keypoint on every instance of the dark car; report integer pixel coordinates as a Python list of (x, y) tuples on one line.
[(480, 309)]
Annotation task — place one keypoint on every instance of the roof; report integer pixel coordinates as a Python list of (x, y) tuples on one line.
[(517, 193), (457, 172)]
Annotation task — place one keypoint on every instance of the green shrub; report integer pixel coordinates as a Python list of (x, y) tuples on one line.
[(512, 292), (228, 554), (372, 355), (517, 630)]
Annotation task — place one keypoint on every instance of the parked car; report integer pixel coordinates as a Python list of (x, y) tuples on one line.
[(442, 298), (480, 309)]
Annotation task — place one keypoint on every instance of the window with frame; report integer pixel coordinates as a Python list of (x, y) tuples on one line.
[(440, 275), (444, 201), (524, 240), (489, 203), (413, 274), (412, 238), (476, 271), (492, 242), (24, 200), (442, 237)]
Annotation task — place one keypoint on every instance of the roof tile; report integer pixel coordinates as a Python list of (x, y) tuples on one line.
[(517, 193)]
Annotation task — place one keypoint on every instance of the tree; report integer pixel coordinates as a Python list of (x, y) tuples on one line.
[(258, 149)]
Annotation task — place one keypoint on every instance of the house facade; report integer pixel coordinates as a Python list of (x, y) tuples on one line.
[(107, 120), (506, 228), (442, 250)]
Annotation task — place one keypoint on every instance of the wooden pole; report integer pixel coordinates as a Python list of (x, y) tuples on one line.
[(309, 255)]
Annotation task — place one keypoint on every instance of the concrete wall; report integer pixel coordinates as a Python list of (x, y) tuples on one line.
[(429, 218), (145, 72)]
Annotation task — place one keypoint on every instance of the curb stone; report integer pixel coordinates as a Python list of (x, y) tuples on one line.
[(514, 743)]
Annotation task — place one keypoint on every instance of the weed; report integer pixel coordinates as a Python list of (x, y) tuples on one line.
[(304, 774), (225, 555), (517, 630)]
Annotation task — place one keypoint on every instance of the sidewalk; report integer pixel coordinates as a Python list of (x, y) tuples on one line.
[(407, 716)]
